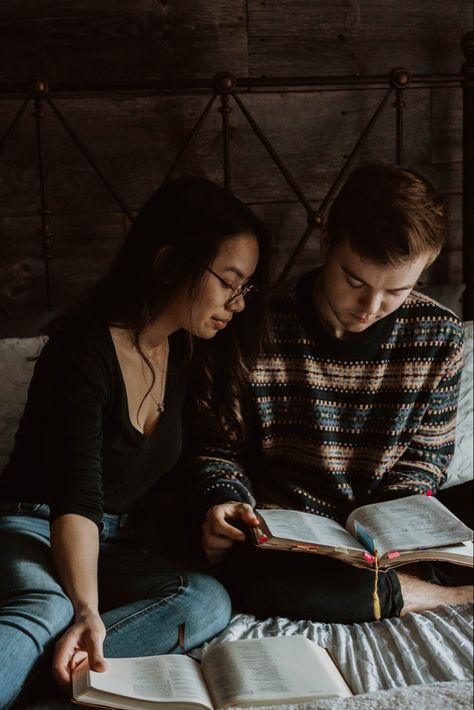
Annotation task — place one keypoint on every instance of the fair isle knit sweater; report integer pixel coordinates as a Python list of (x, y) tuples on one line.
[(333, 425)]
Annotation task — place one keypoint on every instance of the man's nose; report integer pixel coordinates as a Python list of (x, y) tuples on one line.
[(371, 301)]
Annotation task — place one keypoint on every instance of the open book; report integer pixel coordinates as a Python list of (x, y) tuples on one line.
[(250, 672), (405, 530)]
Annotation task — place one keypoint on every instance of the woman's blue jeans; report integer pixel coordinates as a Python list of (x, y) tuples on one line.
[(143, 599)]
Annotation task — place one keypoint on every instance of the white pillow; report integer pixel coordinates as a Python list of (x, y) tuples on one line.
[(460, 468), (16, 370)]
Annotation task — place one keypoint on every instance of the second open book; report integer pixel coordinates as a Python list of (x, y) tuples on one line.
[(264, 671), (395, 532)]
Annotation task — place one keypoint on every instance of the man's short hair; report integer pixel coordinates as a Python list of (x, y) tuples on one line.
[(388, 214)]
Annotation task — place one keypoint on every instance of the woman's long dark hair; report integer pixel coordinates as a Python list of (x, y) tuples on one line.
[(187, 220)]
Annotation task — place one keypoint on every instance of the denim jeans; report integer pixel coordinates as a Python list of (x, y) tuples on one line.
[(143, 599)]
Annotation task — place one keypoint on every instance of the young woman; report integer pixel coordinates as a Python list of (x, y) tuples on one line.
[(102, 425)]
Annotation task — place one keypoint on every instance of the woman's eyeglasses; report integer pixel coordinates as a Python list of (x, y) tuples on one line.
[(235, 293)]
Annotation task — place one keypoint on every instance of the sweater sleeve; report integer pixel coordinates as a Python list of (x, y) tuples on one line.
[(423, 465), (71, 395), (217, 465)]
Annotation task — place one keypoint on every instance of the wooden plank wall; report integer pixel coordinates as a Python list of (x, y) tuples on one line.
[(134, 139)]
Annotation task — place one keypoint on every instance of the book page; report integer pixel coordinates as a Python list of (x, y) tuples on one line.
[(413, 523), (303, 528), (287, 668), (153, 678), (464, 551), (458, 554)]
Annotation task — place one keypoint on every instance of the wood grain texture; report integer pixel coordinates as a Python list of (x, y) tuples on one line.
[(118, 39), (83, 246), (355, 37), (135, 140), (447, 126)]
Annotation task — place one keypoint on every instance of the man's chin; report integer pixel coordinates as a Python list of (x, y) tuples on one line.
[(354, 325)]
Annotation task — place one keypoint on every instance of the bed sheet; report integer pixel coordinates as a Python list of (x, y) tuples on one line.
[(418, 648)]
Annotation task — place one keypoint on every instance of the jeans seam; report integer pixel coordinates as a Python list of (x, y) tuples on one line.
[(119, 624)]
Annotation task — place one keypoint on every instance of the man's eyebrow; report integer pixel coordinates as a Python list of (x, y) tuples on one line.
[(351, 275)]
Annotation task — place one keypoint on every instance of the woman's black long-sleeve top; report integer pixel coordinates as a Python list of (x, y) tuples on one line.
[(76, 448)]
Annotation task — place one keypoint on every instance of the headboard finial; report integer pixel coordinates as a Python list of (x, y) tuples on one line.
[(400, 78), (315, 219), (224, 82), (38, 88)]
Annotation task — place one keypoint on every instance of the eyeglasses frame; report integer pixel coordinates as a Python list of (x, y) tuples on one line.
[(236, 293)]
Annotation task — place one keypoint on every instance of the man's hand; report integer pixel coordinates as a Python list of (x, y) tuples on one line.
[(84, 638), (219, 534)]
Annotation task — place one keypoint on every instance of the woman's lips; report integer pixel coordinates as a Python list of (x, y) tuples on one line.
[(220, 324)]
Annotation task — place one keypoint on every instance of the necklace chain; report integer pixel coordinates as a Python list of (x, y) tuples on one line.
[(160, 406)]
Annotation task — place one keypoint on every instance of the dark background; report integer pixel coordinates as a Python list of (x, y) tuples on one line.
[(134, 138)]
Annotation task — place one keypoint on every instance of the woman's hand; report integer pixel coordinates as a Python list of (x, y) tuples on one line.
[(75, 549), (83, 639), (218, 532)]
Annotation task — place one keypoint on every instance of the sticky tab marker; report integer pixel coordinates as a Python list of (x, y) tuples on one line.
[(368, 557), (429, 493), (392, 555), (263, 538)]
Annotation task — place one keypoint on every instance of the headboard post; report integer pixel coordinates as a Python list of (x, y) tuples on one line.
[(38, 90), (225, 84), (400, 79), (467, 70)]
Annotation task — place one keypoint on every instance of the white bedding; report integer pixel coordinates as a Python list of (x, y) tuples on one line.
[(457, 695), (418, 648), (422, 661)]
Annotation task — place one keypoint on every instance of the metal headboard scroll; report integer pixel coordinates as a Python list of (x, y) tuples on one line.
[(229, 91)]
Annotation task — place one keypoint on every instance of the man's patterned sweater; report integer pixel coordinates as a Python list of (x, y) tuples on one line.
[(332, 425)]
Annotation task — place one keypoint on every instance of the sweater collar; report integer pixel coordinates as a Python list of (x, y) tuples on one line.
[(366, 345)]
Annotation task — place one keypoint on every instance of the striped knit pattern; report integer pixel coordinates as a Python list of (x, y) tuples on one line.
[(333, 429)]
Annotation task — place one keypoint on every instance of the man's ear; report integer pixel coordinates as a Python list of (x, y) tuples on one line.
[(324, 243)]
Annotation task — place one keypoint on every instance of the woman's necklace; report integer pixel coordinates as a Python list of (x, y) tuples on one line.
[(159, 400)]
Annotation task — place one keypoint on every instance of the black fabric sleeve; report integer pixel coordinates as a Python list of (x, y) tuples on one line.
[(70, 393)]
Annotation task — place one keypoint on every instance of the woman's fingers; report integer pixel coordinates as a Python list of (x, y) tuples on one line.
[(84, 639), (61, 663)]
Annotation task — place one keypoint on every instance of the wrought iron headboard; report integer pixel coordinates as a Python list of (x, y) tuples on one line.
[(230, 91)]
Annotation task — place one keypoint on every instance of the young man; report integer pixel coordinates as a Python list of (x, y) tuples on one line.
[(351, 401)]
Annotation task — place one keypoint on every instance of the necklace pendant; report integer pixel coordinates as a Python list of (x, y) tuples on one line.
[(160, 407)]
